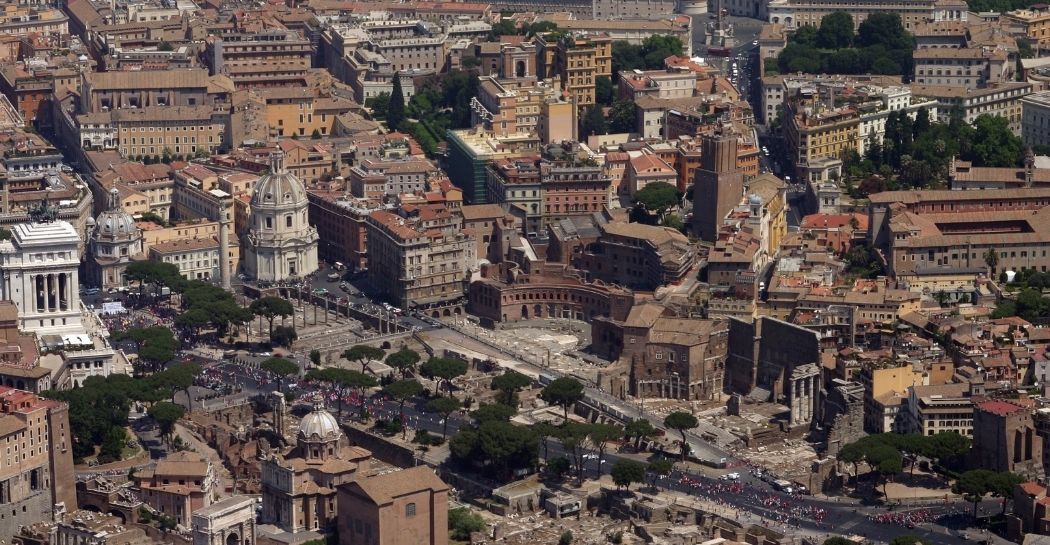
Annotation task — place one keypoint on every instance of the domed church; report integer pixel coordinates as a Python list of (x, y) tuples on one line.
[(280, 243), (113, 241), (299, 486)]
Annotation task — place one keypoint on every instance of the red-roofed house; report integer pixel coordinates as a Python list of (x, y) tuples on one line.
[(836, 231), (647, 169)]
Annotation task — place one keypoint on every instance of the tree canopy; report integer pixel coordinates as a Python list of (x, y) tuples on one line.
[(657, 197), (508, 384), (166, 415), (681, 421), (444, 370), (270, 308), (564, 392), (648, 56), (444, 406), (625, 472), (881, 45), (363, 355), (404, 360)]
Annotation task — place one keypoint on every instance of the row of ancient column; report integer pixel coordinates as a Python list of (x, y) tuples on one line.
[(52, 291)]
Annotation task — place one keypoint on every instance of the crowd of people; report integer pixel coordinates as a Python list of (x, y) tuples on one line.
[(788, 510)]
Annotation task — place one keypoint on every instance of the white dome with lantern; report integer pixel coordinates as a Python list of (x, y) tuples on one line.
[(114, 241), (280, 243)]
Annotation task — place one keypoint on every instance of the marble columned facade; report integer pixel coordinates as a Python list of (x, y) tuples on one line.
[(40, 274)]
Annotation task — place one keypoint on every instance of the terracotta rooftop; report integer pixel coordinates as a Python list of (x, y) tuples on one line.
[(1000, 408)]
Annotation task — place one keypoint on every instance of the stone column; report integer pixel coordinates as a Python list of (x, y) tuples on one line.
[(51, 293), (224, 243)]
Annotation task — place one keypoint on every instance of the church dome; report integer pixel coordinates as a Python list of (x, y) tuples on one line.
[(319, 423), (115, 222), (279, 187)]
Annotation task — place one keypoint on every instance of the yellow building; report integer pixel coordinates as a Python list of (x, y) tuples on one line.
[(885, 387), (180, 235), (297, 111), (815, 137), (578, 59), (177, 130), (1032, 23), (771, 193)]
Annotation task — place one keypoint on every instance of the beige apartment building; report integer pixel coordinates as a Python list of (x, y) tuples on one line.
[(578, 60), (970, 67), (933, 409), (422, 259), (169, 238), (175, 131), (998, 99), (1035, 119), (271, 50), (523, 106), (197, 259), (1033, 23), (670, 83), (796, 13)]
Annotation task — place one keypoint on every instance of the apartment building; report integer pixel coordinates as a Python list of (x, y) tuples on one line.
[(299, 111), (22, 20), (274, 51), (143, 188), (341, 224), (372, 178), (577, 59), (1035, 119), (818, 129), (670, 83), (647, 169), (970, 67), (1033, 23), (999, 99), (178, 485), (29, 85), (420, 259), (933, 409), (471, 151), (516, 184), (525, 106), (136, 90), (570, 190), (173, 131), (197, 259), (36, 473), (638, 256), (796, 13), (181, 233), (885, 384)]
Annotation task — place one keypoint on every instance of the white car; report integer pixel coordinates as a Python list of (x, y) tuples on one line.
[(730, 477), (590, 456)]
